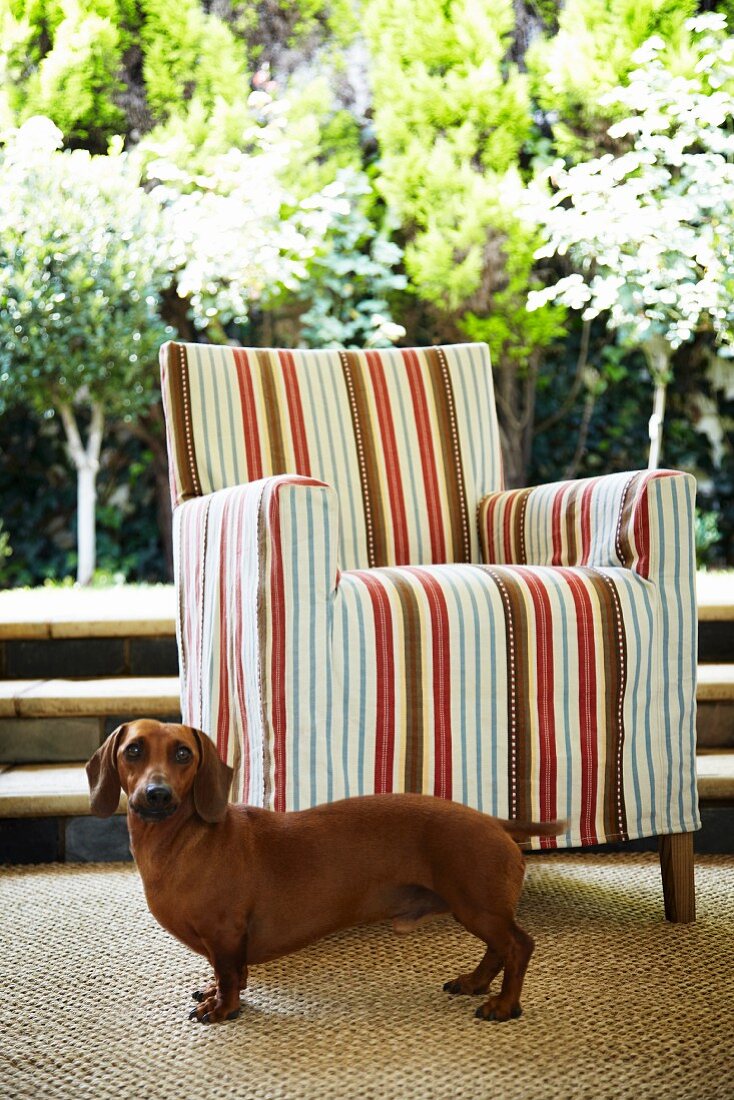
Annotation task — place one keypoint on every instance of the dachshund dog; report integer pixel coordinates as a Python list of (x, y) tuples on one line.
[(243, 885)]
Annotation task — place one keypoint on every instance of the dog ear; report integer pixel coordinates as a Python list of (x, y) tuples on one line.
[(104, 780), (212, 781)]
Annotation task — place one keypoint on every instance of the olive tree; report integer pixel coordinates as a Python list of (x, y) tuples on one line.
[(81, 270)]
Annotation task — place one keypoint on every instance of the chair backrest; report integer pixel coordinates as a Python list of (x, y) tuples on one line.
[(408, 438)]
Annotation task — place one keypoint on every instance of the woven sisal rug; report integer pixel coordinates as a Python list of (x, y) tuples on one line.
[(617, 1002)]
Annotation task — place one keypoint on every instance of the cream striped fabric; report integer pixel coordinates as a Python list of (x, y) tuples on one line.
[(407, 438), (347, 626)]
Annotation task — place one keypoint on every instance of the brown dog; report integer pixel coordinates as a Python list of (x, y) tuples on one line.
[(243, 885)]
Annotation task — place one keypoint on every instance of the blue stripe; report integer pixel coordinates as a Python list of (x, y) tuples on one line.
[(295, 658), (324, 659), (665, 673), (458, 680), (213, 381), (639, 597), (339, 469), (313, 616), (693, 652), (559, 583), (679, 607), (346, 666), (362, 696)]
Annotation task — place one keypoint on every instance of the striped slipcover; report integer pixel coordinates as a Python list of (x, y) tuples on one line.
[(363, 608)]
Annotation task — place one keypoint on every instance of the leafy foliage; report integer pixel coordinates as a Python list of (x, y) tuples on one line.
[(591, 54), (313, 172), (352, 277), (451, 117), (652, 229), (81, 269)]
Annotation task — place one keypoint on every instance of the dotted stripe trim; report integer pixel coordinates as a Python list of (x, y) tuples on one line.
[(459, 469), (513, 688), (371, 559), (188, 424), (618, 793)]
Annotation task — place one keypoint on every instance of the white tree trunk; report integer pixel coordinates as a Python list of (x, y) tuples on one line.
[(86, 461), (656, 425), (658, 354)]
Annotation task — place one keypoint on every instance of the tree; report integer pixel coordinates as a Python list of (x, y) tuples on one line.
[(81, 271), (452, 115), (572, 71), (651, 230)]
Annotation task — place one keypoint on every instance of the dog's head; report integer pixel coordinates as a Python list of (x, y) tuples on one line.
[(158, 765)]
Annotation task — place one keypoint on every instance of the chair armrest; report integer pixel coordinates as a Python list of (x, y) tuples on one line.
[(255, 572), (642, 521)]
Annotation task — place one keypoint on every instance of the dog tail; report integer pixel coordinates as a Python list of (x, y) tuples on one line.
[(523, 830)]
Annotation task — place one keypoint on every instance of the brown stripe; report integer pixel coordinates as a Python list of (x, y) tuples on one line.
[(570, 523), (625, 552), (518, 692), (614, 642), (453, 471), (271, 400), (519, 504), (364, 436), (413, 642), (181, 431)]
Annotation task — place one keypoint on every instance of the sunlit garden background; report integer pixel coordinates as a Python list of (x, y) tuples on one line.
[(554, 179)]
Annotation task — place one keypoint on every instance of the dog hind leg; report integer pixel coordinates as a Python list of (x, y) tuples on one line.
[(507, 945), (480, 979)]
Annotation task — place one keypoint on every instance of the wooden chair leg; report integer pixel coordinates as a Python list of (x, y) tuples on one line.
[(676, 864)]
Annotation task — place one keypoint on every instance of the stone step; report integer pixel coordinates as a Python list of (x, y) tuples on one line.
[(715, 695), (130, 630), (36, 790), (80, 698), (58, 721), (115, 612), (44, 813), (27, 790)]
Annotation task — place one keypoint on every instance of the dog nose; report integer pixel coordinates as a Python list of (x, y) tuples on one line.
[(158, 796)]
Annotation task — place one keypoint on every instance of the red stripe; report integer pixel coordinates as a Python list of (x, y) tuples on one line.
[(441, 652), (545, 700), (250, 427), (556, 525), (587, 705), (277, 668), (278, 634), (642, 533), (642, 523), (223, 713), (586, 523), (491, 508), (384, 683), (392, 460), (506, 528), (295, 412), (428, 456)]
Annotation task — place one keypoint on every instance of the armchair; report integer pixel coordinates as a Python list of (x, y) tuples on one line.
[(363, 608)]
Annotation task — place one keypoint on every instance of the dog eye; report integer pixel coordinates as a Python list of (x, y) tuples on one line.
[(133, 752), (183, 755)]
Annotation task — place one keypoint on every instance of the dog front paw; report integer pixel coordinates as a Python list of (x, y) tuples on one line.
[(213, 1011), (497, 1009), (466, 985), (201, 995)]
